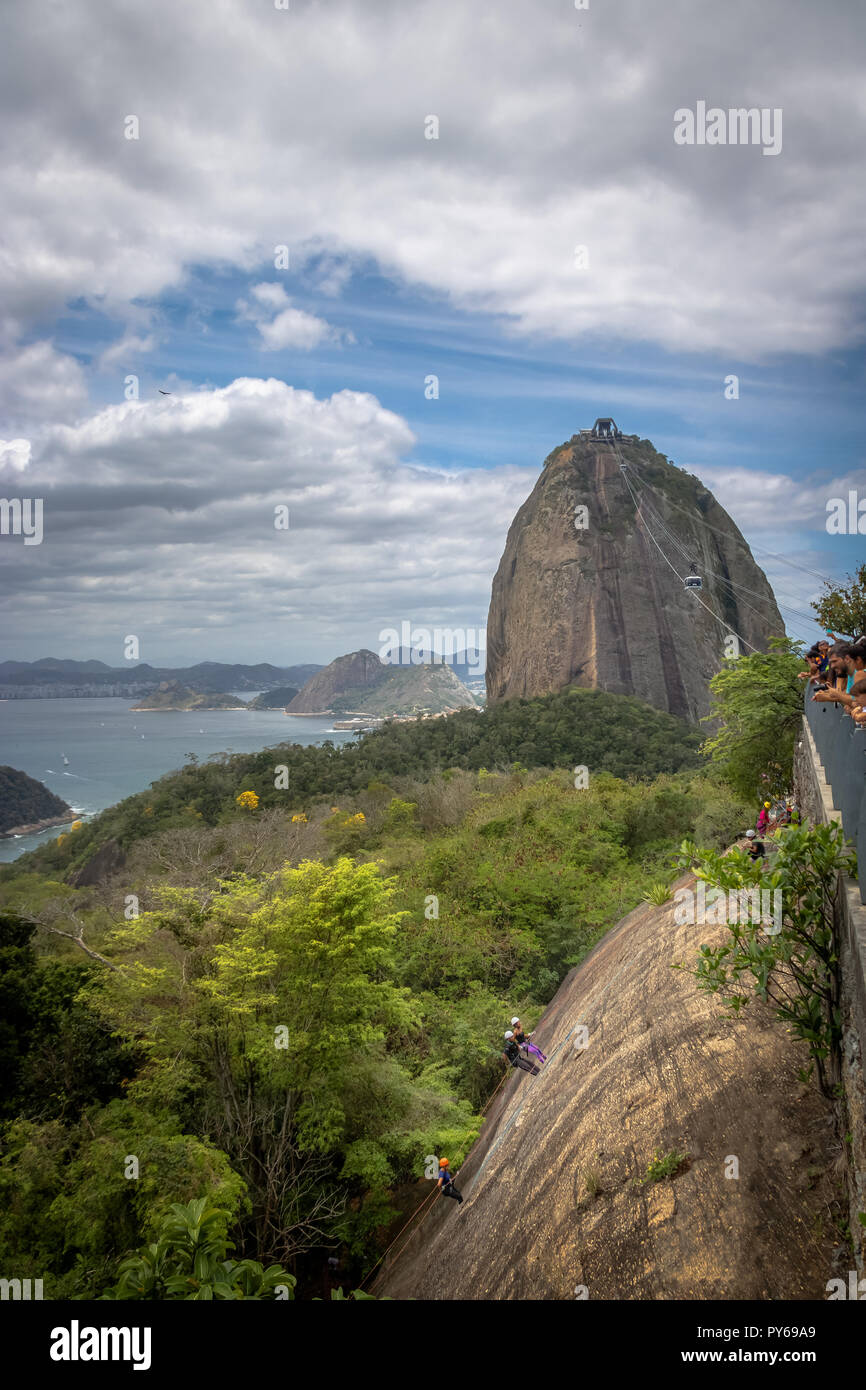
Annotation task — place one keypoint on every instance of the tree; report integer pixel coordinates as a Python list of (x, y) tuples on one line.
[(18, 1020), (55, 1057), (189, 1261), (787, 951), (842, 608), (759, 704), (279, 995), (70, 1204)]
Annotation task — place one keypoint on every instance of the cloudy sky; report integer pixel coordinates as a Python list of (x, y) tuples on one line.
[(283, 249)]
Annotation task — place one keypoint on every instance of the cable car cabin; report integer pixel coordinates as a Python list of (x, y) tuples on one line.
[(692, 581)]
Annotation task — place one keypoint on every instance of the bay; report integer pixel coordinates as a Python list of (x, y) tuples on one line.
[(114, 752)]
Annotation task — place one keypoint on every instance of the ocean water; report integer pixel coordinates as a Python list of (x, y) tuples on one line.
[(114, 752)]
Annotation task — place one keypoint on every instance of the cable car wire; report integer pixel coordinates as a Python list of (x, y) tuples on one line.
[(804, 569), (723, 579), (727, 626)]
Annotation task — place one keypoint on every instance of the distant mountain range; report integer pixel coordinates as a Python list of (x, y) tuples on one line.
[(51, 677)]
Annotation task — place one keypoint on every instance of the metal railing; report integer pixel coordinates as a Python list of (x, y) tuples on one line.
[(841, 746)]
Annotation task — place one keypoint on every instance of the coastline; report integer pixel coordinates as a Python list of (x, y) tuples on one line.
[(38, 825), (199, 709)]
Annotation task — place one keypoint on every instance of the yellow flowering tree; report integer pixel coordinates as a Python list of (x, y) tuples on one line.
[(344, 831), (249, 800)]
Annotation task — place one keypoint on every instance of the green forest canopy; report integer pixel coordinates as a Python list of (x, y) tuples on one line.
[(606, 733)]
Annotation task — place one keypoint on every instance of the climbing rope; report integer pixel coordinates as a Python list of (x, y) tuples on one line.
[(435, 1193), (428, 1198), (489, 1099)]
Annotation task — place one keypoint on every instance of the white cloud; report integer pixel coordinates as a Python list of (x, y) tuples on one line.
[(39, 383), (272, 295), (159, 520), (758, 500), (289, 328), (262, 127), (126, 350), (14, 455)]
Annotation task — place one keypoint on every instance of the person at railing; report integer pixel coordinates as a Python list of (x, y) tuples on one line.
[(852, 701), (846, 662), (818, 666)]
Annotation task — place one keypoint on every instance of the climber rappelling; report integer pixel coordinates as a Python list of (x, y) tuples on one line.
[(522, 1040), (511, 1053), (446, 1181)]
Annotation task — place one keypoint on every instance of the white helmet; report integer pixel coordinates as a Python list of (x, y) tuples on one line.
[(508, 1035), (750, 835), (515, 1020)]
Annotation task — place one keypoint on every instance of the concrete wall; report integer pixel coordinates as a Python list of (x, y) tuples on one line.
[(815, 797)]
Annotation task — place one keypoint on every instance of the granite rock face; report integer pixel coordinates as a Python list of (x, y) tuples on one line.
[(109, 859), (640, 1062), (605, 606)]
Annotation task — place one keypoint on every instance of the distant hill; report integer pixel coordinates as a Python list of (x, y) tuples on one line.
[(171, 695), (51, 677), (274, 699), (416, 690), (357, 671), (468, 664), (359, 683), (26, 804)]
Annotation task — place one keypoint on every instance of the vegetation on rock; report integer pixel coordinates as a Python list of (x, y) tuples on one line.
[(24, 801)]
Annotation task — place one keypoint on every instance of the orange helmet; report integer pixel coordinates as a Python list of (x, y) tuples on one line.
[(443, 1163)]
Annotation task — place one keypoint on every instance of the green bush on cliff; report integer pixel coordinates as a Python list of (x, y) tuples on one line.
[(786, 950), (758, 702)]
